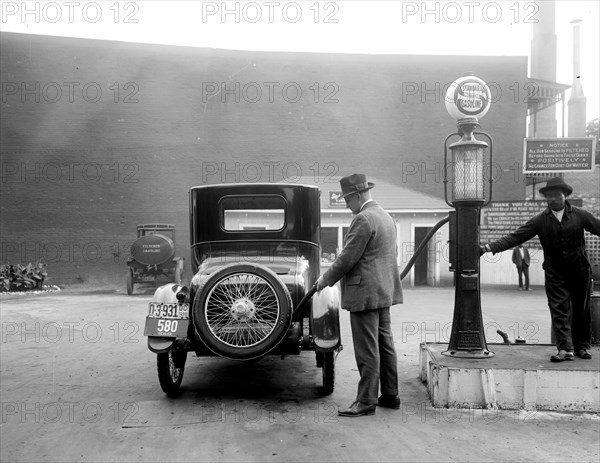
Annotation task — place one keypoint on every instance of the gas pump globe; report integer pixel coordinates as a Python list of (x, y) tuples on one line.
[(467, 99)]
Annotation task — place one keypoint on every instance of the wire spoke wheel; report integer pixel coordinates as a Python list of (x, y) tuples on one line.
[(171, 366), (328, 372), (243, 311)]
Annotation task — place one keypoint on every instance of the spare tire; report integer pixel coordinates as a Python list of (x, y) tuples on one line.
[(153, 249), (242, 311)]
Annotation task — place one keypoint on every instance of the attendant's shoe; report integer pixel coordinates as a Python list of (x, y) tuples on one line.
[(584, 354), (358, 409), (389, 401), (562, 356)]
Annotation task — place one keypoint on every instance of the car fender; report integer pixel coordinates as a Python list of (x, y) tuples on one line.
[(325, 319), (168, 294), (160, 345)]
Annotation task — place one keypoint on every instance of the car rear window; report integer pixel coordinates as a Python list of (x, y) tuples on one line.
[(252, 212)]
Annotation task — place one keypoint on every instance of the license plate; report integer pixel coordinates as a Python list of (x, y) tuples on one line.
[(171, 310), (169, 327)]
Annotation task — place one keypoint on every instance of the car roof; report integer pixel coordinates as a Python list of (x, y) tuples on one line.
[(261, 185)]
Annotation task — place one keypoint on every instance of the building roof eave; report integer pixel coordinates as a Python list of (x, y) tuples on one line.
[(396, 211)]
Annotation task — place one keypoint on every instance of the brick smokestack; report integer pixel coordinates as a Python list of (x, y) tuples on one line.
[(543, 65), (577, 102)]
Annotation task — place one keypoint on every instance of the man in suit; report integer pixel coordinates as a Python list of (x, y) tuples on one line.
[(520, 258), (371, 283), (567, 269)]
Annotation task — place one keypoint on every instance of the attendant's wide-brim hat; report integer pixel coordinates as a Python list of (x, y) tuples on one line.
[(354, 183), (557, 183)]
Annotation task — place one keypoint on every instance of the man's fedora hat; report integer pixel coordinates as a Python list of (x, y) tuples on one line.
[(354, 183), (557, 183)]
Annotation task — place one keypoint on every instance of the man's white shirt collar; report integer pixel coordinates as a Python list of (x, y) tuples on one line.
[(365, 203), (559, 214)]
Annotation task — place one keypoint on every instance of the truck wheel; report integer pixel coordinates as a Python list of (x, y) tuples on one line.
[(170, 367), (242, 311), (130, 281), (328, 370)]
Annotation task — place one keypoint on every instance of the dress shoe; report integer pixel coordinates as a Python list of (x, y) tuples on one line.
[(584, 354), (562, 356), (358, 409), (389, 401)]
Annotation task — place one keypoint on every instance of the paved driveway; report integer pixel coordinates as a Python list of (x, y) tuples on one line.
[(79, 384)]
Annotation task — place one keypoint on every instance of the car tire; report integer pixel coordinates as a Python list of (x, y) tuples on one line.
[(242, 311), (326, 360), (171, 366)]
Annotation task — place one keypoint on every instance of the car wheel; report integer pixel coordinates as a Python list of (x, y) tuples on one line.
[(242, 311), (170, 367), (328, 371), (130, 281)]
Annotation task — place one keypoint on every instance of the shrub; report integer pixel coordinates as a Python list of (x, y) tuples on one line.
[(22, 277)]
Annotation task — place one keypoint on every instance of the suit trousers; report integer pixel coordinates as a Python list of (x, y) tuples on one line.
[(569, 300), (375, 354), (523, 270)]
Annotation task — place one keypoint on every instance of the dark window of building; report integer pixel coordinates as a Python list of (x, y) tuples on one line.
[(329, 243)]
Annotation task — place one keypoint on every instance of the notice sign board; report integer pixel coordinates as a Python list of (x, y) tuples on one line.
[(558, 155), (503, 217)]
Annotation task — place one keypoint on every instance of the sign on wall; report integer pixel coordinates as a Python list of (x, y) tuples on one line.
[(336, 200), (558, 155), (503, 217)]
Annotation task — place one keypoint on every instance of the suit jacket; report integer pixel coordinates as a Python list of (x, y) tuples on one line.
[(367, 263), (518, 260), (563, 242)]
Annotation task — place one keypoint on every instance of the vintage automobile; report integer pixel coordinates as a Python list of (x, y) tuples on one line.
[(153, 255), (255, 259)]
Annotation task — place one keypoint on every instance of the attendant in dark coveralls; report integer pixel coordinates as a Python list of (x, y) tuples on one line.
[(521, 259), (567, 269), (370, 285)]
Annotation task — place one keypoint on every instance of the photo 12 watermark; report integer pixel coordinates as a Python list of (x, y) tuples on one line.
[(70, 332), (270, 92), (464, 413), (437, 92), (228, 12), (440, 252), (68, 172), (437, 12), (440, 333), (102, 12), (63, 412), (433, 172), (269, 171), (67, 251), (69, 92)]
